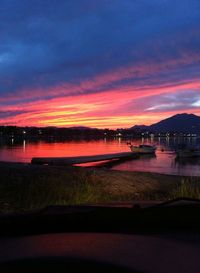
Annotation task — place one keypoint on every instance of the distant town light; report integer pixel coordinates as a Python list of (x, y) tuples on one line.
[(24, 132)]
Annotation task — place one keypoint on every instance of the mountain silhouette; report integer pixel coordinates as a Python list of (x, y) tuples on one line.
[(182, 123)]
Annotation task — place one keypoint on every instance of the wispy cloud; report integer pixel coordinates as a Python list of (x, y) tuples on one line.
[(97, 63)]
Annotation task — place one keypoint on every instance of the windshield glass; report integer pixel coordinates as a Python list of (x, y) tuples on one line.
[(99, 102)]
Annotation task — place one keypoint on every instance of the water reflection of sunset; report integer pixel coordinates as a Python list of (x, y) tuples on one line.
[(163, 162), (26, 150)]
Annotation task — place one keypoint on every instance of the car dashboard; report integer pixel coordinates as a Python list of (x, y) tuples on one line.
[(99, 239)]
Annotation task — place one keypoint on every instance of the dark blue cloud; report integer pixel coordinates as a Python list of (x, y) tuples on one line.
[(48, 43), (11, 113)]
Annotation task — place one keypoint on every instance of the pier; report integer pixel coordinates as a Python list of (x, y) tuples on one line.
[(60, 161)]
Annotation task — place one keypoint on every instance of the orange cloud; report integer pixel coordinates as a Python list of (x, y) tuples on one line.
[(96, 109)]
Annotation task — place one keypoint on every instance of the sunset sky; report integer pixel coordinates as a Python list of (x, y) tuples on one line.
[(98, 63)]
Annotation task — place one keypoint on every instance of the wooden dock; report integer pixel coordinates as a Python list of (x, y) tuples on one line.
[(58, 161)]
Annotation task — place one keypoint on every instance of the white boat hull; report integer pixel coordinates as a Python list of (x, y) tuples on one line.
[(146, 150)]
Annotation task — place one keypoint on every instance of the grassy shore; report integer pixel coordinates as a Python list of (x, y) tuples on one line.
[(25, 187)]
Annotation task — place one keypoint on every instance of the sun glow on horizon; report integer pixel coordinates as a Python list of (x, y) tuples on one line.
[(115, 108)]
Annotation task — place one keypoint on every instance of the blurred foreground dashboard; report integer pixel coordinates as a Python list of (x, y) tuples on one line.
[(158, 239)]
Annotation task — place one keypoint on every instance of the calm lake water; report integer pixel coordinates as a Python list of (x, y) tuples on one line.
[(163, 162)]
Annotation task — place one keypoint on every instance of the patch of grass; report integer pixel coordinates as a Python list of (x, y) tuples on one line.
[(189, 188), (25, 187), (29, 191)]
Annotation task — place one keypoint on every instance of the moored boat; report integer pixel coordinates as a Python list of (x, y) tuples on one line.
[(143, 149), (189, 152), (184, 151)]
